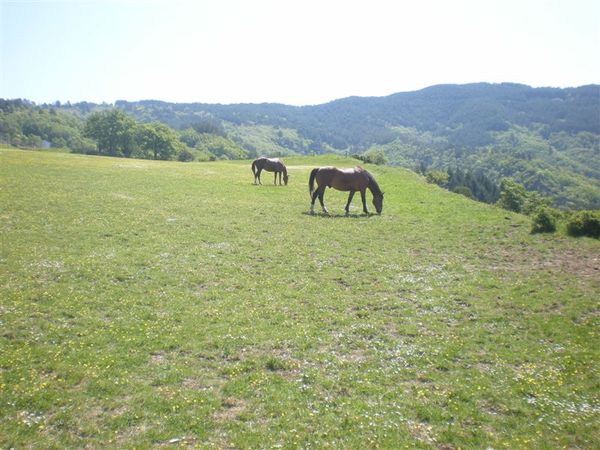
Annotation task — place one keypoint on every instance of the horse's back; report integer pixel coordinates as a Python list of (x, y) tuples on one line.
[(350, 179), (274, 165)]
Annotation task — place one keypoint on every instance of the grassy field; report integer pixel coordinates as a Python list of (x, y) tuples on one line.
[(168, 304)]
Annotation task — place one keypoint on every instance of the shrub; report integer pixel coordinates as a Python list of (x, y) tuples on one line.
[(543, 221), (374, 156), (185, 156), (512, 195), (463, 190), (438, 177), (584, 223)]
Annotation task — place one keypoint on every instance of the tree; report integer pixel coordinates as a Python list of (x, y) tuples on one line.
[(584, 223), (513, 195), (544, 221), (220, 147), (113, 130), (80, 144), (209, 126), (189, 137), (158, 141)]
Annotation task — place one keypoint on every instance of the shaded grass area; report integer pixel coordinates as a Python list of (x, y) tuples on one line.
[(157, 303)]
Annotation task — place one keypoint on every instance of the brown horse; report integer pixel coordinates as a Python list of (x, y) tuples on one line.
[(270, 165), (357, 179)]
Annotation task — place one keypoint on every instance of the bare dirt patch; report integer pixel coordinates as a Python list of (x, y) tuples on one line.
[(557, 258), (231, 409)]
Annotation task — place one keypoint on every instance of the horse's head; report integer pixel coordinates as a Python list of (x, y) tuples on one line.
[(378, 202), (285, 178)]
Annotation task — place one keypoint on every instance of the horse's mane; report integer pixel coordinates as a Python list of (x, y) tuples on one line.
[(372, 183)]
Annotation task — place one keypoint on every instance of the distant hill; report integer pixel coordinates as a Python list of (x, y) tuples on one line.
[(465, 114), (546, 138)]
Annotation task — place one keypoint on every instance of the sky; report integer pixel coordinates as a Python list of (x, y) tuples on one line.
[(296, 52)]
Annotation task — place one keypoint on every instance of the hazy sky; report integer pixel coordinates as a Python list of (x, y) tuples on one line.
[(287, 51)]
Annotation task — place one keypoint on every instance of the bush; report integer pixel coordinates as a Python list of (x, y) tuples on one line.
[(512, 195), (438, 177), (544, 221), (463, 190), (584, 223), (185, 156), (374, 156)]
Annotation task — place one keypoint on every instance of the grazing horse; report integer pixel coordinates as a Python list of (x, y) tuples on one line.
[(357, 179), (270, 165)]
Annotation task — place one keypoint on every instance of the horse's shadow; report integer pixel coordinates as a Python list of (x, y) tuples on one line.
[(338, 216)]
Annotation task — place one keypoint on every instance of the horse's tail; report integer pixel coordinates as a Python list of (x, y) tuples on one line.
[(254, 168), (311, 181)]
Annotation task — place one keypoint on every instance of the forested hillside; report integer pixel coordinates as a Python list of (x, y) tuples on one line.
[(545, 138)]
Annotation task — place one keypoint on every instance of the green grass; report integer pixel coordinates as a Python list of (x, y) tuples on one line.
[(146, 303)]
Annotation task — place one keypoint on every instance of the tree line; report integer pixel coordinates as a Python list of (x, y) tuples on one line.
[(109, 131)]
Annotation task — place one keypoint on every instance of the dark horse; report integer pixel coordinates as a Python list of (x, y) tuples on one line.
[(357, 179), (270, 165)]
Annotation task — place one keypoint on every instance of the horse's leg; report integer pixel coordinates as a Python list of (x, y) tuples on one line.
[(321, 192), (349, 200), (258, 174), (312, 201), (364, 201), (275, 178)]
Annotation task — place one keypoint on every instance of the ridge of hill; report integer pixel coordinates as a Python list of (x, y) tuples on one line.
[(467, 114)]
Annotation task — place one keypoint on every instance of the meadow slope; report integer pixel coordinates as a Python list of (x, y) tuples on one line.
[(159, 303)]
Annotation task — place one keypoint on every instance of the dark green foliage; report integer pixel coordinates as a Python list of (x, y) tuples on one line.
[(463, 190), (473, 185), (185, 156), (373, 156), (514, 197), (584, 223), (438, 177), (22, 124), (209, 126), (221, 147), (189, 137), (157, 141), (544, 221), (114, 132)]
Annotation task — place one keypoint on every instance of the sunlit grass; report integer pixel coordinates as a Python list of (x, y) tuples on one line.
[(147, 303)]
